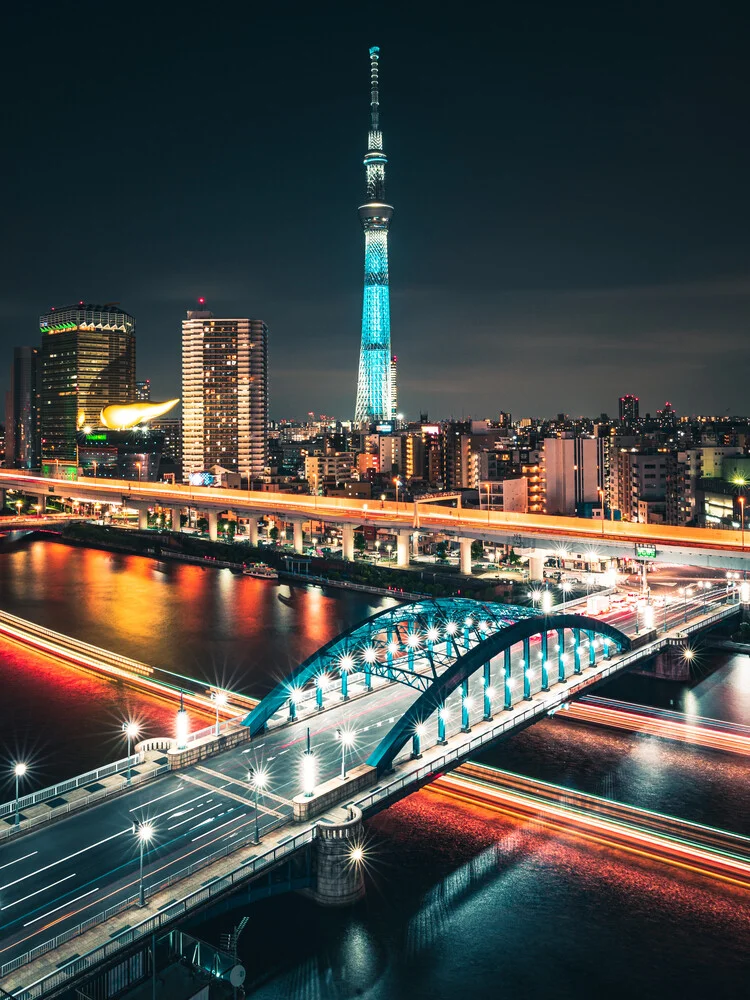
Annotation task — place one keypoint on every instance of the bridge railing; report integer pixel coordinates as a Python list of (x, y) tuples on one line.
[(76, 966), (52, 791), (87, 800)]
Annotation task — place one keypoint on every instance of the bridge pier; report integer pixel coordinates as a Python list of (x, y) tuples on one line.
[(298, 536), (142, 517), (536, 565), (3, 498), (347, 542), (508, 694), (464, 556), (339, 868), (213, 525), (402, 548), (252, 530)]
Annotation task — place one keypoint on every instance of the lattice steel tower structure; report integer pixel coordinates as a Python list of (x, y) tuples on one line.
[(374, 381)]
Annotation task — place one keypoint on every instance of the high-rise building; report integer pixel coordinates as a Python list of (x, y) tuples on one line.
[(22, 441), (628, 409), (572, 473), (87, 363), (394, 387), (374, 403), (143, 391), (224, 394)]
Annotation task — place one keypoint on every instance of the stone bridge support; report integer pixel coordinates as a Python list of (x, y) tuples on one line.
[(252, 530), (299, 543), (339, 876), (536, 564), (213, 525), (464, 556), (347, 542), (142, 509), (402, 548)]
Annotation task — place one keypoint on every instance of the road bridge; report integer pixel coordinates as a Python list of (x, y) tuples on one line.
[(447, 678), (540, 534)]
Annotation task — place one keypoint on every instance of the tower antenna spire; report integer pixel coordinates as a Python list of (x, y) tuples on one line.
[(374, 97)]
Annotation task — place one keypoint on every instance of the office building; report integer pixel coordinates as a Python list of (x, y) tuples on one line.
[(628, 409), (87, 363), (143, 391), (224, 394), (394, 387), (572, 474), (22, 437)]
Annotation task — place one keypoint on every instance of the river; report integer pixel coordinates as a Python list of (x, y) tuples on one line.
[(460, 899)]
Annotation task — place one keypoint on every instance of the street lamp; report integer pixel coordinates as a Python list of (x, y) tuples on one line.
[(600, 491), (389, 549), (19, 770), (144, 832), (546, 601), (309, 769), (666, 602), (488, 502), (566, 588), (742, 529), (347, 740), (181, 725), (258, 779), (397, 483), (139, 471), (131, 730), (219, 699)]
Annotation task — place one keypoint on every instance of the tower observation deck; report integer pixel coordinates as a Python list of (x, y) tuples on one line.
[(374, 381)]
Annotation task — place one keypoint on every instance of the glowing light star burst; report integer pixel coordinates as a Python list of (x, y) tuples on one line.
[(374, 397)]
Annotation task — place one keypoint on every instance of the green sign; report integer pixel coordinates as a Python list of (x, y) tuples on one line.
[(96, 437), (645, 551)]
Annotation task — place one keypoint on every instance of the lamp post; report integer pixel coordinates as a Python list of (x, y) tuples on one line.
[(258, 779), (139, 472), (347, 740), (389, 549), (308, 770), (19, 770), (488, 502), (666, 602), (742, 529), (600, 491), (131, 730), (181, 725), (219, 699), (566, 587), (397, 483), (144, 832)]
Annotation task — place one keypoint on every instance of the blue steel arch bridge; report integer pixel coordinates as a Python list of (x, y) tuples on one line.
[(441, 648)]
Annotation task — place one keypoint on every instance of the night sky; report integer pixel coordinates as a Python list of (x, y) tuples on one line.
[(570, 184)]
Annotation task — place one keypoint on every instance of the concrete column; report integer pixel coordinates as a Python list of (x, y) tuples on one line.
[(465, 556), (347, 542), (415, 543), (339, 879), (142, 518), (402, 548), (252, 530), (213, 525), (298, 541), (536, 565), (176, 513), (42, 501), (2, 499)]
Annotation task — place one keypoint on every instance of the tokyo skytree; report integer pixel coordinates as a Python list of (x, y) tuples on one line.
[(374, 381)]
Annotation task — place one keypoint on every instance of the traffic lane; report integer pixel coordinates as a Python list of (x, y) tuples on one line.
[(91, 898)]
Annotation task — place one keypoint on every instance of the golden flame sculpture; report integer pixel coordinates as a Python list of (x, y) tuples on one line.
[(120, 417)]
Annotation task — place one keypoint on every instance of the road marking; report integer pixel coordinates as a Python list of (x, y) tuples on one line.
[(232, 820), (190, 819), (50, 886), (144, 804), (220, 791), (284, 751), (22, 858), (68, 858), (244, 784), (61, 907)]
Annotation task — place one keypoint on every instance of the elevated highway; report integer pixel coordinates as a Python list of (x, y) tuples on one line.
[(705, 547)]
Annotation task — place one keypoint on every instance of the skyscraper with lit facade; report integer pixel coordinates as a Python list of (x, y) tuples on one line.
[(224, 394), (374, 381), (87, 363)]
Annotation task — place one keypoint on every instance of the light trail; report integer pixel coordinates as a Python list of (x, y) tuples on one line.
[(702, 850), (654, 722), (38, 891), (62, 906)]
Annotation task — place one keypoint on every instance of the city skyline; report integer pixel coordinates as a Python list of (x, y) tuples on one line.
[(589, 242)]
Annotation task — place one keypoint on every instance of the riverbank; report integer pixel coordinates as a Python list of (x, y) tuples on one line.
[(405, 584)]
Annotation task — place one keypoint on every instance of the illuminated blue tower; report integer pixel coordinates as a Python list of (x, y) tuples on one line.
[(374, 382)]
